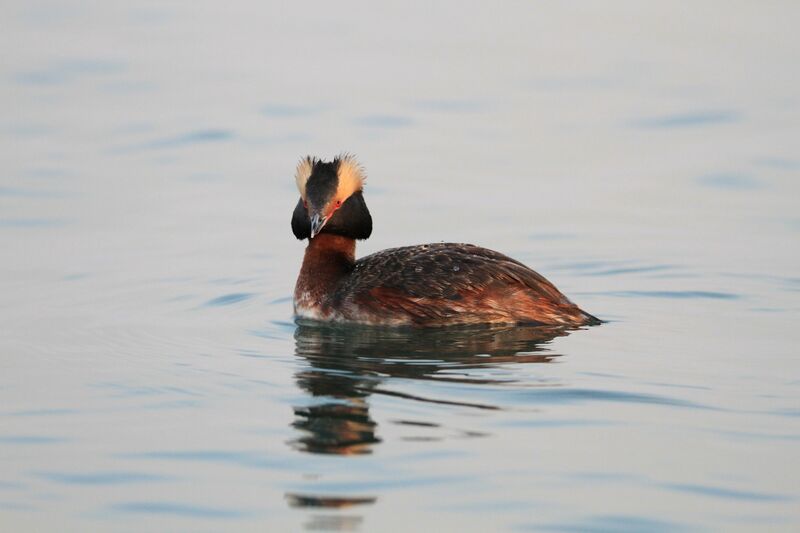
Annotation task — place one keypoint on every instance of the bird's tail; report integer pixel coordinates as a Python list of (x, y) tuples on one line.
[(591, 320)]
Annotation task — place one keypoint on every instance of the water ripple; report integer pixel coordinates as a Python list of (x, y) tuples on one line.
[(630, 270), (11, 485), (31, 222), (229, 299), (100, 478), (17, 192), (188, 139), (451, 106), (238, 458), (30, 439), (681, 295), (606, 523), (562, 396), (533, 423), (721, 492), (739, 182), (689, 120), (42, 412), (289, 111), (67, 71), (178, 509), (384, 121), (369, 486), (780, 163)]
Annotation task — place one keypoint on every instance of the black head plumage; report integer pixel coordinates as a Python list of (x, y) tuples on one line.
[(352, 219)]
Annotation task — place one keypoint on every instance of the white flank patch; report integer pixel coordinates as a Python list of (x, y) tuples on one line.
[(308, 312)]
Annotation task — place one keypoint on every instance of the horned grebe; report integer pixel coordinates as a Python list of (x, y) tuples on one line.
[(427, 285)]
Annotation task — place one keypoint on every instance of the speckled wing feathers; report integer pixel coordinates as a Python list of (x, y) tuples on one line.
[(442, 283)]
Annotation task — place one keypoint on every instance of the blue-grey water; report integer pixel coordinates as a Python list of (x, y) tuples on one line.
[(643, 157)]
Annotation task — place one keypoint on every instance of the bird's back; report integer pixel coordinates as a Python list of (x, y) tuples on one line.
[(447, 284)]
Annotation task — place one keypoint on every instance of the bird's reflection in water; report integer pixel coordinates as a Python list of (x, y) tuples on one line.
[(349, 363), (330, 522)]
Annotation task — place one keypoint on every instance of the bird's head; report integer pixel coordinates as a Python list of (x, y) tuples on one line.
[(331, 199)]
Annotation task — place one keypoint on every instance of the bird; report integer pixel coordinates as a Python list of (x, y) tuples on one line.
[(427, 285)]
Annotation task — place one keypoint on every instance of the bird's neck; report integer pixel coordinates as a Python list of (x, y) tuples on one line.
[(327, 260)]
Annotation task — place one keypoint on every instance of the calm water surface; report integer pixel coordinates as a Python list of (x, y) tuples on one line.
[(645, 159)]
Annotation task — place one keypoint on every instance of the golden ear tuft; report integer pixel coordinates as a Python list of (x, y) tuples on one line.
[(303, 172), (351, 175)]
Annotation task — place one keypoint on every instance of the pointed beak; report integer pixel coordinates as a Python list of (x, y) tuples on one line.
[(317, 222)]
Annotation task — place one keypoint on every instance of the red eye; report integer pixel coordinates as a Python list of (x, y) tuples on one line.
[(338, 203)]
